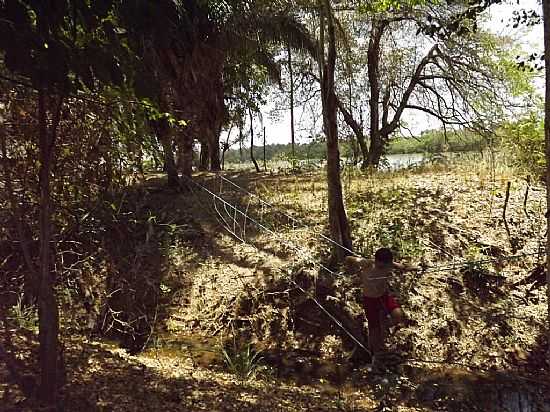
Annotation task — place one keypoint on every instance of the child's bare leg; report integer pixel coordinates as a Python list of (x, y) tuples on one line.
[(397, 316), (376, 339)]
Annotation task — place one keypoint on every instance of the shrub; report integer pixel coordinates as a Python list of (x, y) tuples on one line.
[(524, 142)]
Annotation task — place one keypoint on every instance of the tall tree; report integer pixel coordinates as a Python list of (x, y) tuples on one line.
[(453, 72), (546, 19), (373, 56), (58, 47), (199, 45), (338, 221)]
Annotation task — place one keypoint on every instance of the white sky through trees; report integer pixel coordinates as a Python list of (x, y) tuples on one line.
[(499, 21)]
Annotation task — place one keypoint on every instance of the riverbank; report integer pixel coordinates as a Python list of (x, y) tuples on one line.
[(231, 325)]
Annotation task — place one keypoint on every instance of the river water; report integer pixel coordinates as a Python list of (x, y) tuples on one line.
[(389, 162), (400, 161)]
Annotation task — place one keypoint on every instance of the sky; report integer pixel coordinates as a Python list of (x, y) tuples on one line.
[(278, 131)]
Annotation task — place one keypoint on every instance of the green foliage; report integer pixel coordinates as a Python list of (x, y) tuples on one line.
[(524, 141), (473, 256), (153, 113), (382, 219), (25, 317), (242, 361), (435, 141), (307, 151), (386, 5), (391, 233), (62, 44)]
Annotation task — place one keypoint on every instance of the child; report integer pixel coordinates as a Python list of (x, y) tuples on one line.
[(378, 302)]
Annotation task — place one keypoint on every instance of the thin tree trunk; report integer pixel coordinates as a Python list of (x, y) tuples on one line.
[(376, 151), (204, 156), (47, 304), (353, 142), (225, 147), (321, 43), (186, 144), (252, 141), (164, 135), (223, 157), (357, 130), (179, 155), (291, 73), (546, 14), (214, 150), (339, 227), (373, 66), (265, 163), (356, 127), (241, 159)]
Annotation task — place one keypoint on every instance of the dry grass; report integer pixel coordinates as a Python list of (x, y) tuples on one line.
[(437, 215)]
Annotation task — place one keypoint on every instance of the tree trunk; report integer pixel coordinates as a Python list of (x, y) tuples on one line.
[(164, 135), (179, 155), (186, 150), (373, 67), (291, 74), (265, 162), (338, 222), (223, 157), (546, 15), (353, 142), (204, 156), (225, 147), (376, 151), (355, 151), (357, 130), (241, 158), (252, 141), (214, 150), (47, 304)]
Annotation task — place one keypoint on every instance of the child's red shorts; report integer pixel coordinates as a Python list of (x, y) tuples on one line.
[(374, 306)]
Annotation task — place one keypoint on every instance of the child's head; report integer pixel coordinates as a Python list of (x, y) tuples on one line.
[(383, 257)]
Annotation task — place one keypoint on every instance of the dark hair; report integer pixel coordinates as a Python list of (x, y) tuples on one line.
[(383, 255)]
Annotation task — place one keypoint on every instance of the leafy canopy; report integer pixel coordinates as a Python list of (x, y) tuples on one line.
[(61, 43)]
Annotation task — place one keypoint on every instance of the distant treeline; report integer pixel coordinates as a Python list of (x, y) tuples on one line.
[(314, 150), (435, 141), (432, 141)]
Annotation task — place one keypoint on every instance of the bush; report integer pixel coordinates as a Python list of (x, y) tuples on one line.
[(524, 142)]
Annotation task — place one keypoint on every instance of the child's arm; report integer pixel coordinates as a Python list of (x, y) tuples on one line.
[(353, 265), (406, 267)]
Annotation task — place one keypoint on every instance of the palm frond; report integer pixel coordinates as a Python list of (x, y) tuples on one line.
[(267, 60), (284, 29)]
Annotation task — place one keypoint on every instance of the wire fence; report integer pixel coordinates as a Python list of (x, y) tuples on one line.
[(232, 211), (443, 268), (286, 276)]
